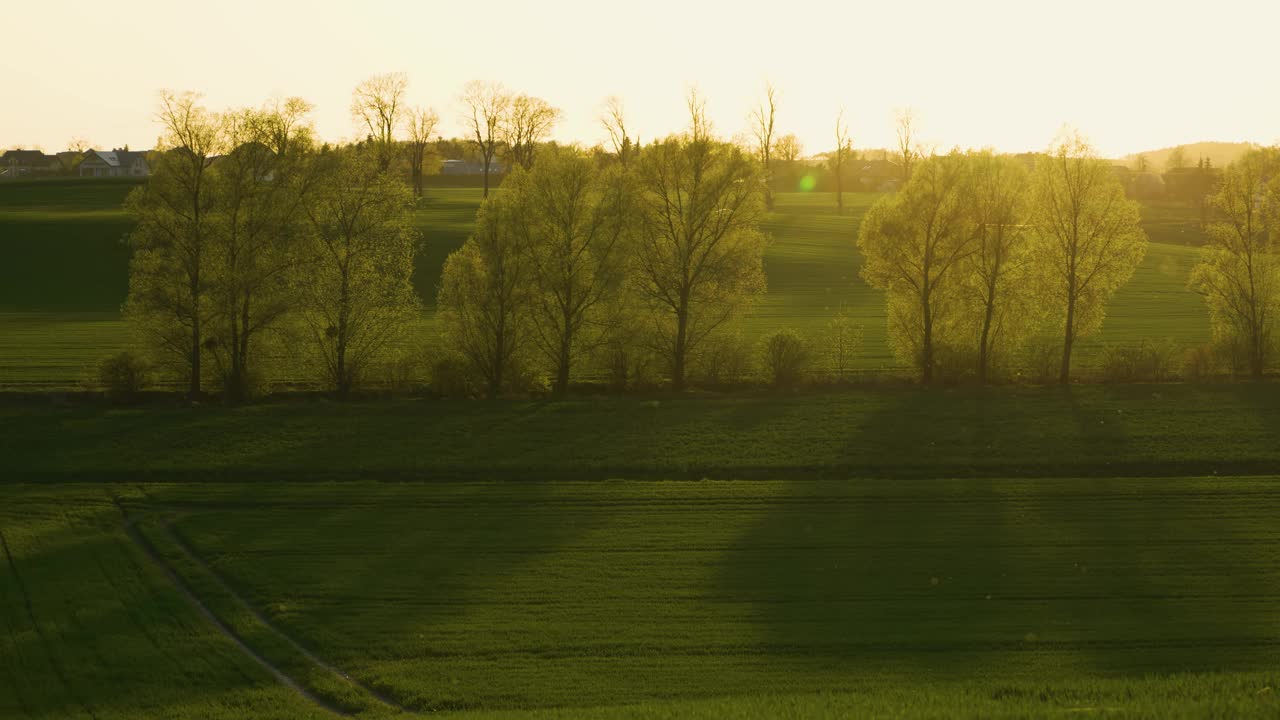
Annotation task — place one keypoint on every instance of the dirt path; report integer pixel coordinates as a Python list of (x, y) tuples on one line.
[(199, 561), (141, 541)]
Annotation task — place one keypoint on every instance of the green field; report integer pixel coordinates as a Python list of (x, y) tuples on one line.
[(948, 598), (66, 276)]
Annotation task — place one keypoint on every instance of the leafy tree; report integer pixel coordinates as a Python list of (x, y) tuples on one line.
[(168, 278), (485, 294), (1089, 239), (257, 191), (698, 256), (914, 243), (377, 105), (1239, 270), (999, 273), (1176, 159), (357, 296), (571, 221)]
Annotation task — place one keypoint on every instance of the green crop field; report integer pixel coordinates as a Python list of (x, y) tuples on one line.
[(946, 598), (885, 551), (65, 277)]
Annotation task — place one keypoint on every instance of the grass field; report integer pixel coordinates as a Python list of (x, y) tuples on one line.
[(61, 289), (948, 598)]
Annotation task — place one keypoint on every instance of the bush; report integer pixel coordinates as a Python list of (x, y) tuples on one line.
[(723, 361), (1041, 362), (124, 376), (953, 364), (787, 358), (627, 366), (451, 375), (841, 344), (1144, 362), (1199, 363), (402, 373)]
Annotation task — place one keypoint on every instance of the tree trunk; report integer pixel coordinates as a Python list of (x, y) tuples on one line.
[(984, 356), (926, 347), (1064, 376), (562, 362), (486, 177), (678, 364), (193, 389)]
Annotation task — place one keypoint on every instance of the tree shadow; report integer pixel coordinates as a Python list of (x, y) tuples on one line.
[(388, 582)]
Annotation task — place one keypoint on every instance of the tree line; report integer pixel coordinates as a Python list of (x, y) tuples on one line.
[(256, 241)]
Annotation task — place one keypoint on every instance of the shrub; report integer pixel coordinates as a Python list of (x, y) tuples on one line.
[(124, 375), (1041, 362), (954, 364), (841, 344), (1144, 362), (1199, 363), (451, 375), (627, 366), (723, 360), (787, 358), (402, 373)]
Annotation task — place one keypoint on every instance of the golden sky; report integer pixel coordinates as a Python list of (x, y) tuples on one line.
[(1131, 75)]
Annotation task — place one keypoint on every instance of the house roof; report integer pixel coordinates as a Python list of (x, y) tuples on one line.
[(26, 158), (118, 158)]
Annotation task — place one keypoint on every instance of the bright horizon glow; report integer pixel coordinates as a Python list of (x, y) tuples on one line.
[(1131, 76)]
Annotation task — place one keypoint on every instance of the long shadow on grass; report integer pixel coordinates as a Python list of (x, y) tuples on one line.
[(400, 586), (1038, 577), (93, 630)]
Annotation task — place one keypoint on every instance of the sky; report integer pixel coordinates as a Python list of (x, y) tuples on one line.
[(1130, 75)]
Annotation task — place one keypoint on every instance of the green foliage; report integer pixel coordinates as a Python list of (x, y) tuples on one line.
[(1144, 362), (737, 599), (124, 375), (1090, 240), (787, 358), (1239, 270), (485, 298), (353, 276), (697, 261)]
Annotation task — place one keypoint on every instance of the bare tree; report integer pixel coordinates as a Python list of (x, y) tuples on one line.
[(377, 105), (420, 125), (528, 121), (486, 106), (844, 147), (906, 129), (614, 120), (762, 121), (788, 149)]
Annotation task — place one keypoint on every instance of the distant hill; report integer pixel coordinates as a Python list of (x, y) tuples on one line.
[(1220, 154)]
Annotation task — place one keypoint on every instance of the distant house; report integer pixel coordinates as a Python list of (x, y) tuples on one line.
[(26, 163), (469, 167), (114, 163)]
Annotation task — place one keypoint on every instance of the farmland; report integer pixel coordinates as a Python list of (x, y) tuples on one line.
[(1140, 597), (66, 276), (874, 550)]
